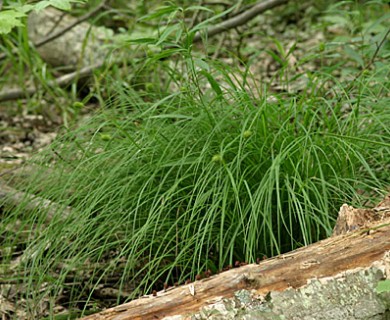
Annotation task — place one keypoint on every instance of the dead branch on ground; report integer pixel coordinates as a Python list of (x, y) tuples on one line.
[(240, 19), (63, 81)]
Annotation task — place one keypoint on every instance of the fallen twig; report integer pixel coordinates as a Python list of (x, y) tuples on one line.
[(240, 19), (62, 81)]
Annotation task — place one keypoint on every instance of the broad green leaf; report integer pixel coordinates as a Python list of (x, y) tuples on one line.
[(377, 26), (214, 84), (179, 33), (383, 286), (200, 8), (167, 31), (25, 8), (10, 19), (162, 11), (337, 20), (354, 55), (59, 4), (164, 54), (205, 23), (201, 64)]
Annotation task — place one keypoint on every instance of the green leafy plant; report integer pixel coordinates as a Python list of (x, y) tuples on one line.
[(10, 19), (383, 286)]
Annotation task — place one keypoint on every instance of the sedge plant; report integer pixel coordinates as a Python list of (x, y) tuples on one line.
[(157, 189), (161, 191)]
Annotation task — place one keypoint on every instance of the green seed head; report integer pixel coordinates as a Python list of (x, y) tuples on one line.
[(247, 134), (78, 105), (105, 137), (149, 86), (217, 158)]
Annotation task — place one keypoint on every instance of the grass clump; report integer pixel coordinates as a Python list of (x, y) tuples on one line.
[(163, 190), (168, 184)]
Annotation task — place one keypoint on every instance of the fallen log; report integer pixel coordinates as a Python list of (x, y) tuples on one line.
[(13, 198), (332, 279)]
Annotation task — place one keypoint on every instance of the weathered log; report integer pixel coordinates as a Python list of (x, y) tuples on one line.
[(332, 279), (12, 198), (63, 81), (350, 218)]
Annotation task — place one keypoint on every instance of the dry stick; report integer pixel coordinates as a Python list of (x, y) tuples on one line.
[(57, 22), (241, 18), (59, 33), (62, 81)]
